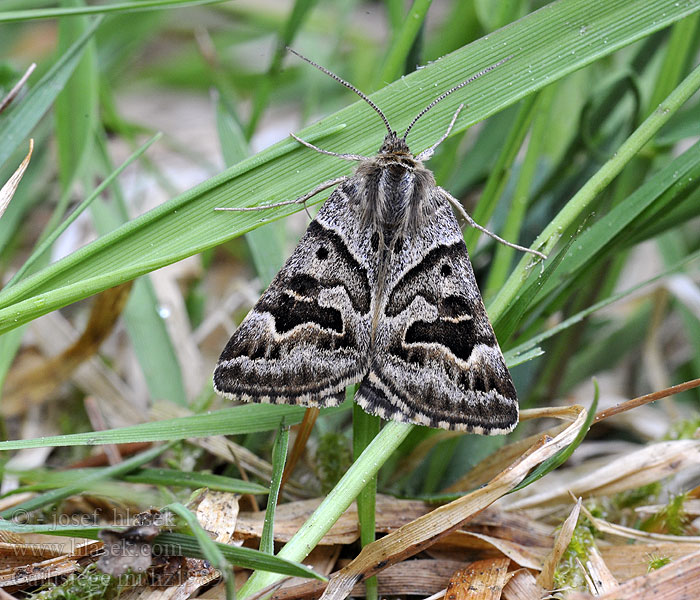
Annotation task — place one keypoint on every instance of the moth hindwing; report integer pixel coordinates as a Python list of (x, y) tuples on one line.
[(379, 291)]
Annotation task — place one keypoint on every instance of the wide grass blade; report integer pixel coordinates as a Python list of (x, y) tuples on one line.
[(188, 224)]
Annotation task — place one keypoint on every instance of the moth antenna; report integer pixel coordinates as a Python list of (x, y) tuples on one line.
[(454, 89), (348, 85)]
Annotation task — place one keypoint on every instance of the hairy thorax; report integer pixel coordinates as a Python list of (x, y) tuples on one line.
[(393, 191)]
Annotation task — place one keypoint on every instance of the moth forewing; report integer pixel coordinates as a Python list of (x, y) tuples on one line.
[(379, 291)]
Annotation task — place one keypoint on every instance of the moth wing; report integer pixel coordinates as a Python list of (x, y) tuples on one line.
[(436, 360), (308, 336)]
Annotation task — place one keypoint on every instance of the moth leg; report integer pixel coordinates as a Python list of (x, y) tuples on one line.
[(428, 152), (300, 200), (322, 151), (474, 224)]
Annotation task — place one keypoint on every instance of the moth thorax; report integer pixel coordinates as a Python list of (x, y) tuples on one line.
[(393, 197)]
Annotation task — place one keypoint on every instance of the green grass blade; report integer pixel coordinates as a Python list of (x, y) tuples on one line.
[(365, 428), (499, 175), (336, 502), (657, 194), (393, 66), (578, 205), (501, 265), (51, 238), (194, 479), (247, 418), (20, 121), (279, 457), (523, 350), (266, 243), (147, 329), (300, 11), (52, 13), (75, 109), (53, 496), (209, 548)]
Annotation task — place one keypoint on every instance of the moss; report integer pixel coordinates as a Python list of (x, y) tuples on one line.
[(568, 573), (672, 518), (90, 584), (656, 562), (333, 458), (638, 496), (684, 430)]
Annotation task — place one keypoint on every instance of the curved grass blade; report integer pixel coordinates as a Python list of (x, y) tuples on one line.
[(561, 457)]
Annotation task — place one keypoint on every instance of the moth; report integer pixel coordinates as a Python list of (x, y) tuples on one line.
[(379, 291)]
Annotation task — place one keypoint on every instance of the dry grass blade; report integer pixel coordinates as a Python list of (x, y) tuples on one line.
[(416, 578), (523, 555), (33, 385), (391, 513), (12, 94), (481, 580), (599, 573), (646, 399), (497, 461), (546, 577), (636, 534), (675, 581), (303, 433), (632, 560), (648, 464), (8, 190), (424, 531)]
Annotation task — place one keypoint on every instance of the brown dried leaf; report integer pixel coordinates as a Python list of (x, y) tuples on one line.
[(413, 577), (424, 531), (676, 581), (546, 577), (218, 512), (632, 560), (523, 586), (481, 580)]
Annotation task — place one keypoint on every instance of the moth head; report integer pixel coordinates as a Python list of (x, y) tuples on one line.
[(393, 144)]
